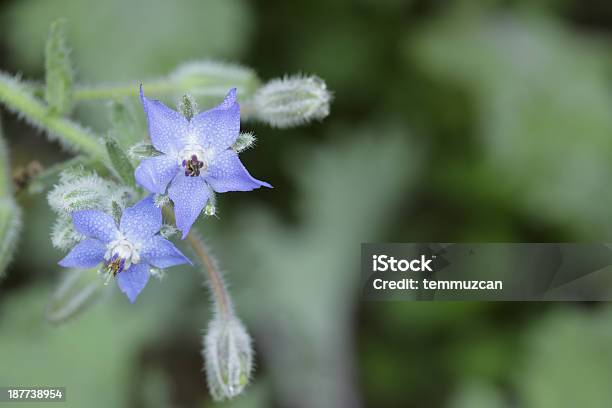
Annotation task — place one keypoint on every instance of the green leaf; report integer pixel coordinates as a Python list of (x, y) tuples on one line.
[(16, 96), (59, 74), (119, 160)]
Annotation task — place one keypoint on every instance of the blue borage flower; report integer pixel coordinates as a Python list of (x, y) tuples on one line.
[(196, 157), (127, 252)]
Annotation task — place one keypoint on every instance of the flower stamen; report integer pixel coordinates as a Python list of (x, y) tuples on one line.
[(120, 255), (192, 166), (115, 265)]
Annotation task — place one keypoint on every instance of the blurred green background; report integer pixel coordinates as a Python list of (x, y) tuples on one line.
[(453, 121)]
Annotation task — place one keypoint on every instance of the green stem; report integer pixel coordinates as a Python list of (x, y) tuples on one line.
[(158, 88), (213, 276), (213, 87), (120, 91), (19, 100)]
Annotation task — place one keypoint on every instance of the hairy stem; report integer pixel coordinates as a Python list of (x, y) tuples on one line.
[(157, 87), (120, 91), (17, 99), (213, 274)]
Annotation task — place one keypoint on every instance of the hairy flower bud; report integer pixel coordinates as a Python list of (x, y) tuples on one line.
[(291, 101), (244, 141), (77, 191), (84, 191), (228, 356), (63, 234)]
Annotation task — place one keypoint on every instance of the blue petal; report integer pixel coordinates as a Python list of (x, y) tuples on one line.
[(189, 195), (162, 253), (142, 220), (133, 280), (155, 173), (226, 173), (218, 127), (86, 254), (95, 224), (166, 127)]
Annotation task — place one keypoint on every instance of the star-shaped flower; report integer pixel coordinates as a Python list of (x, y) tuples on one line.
[(197, 156), (127, 252)]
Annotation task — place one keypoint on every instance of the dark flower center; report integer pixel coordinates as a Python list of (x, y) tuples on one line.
[(192, 166), (115, 265)]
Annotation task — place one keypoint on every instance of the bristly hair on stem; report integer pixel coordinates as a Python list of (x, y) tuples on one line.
[(227, 347), (16, 97), (221, 298)]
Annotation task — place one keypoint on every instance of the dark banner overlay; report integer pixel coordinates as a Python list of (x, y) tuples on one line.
[(500, 271)]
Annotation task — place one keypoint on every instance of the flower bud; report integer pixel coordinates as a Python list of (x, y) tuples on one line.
[(244, 141), (63, 234), (78, 190), (228, 357), (291, 101)]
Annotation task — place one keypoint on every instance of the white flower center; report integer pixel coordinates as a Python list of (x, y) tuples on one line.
[(121, 254), (194, 159)]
